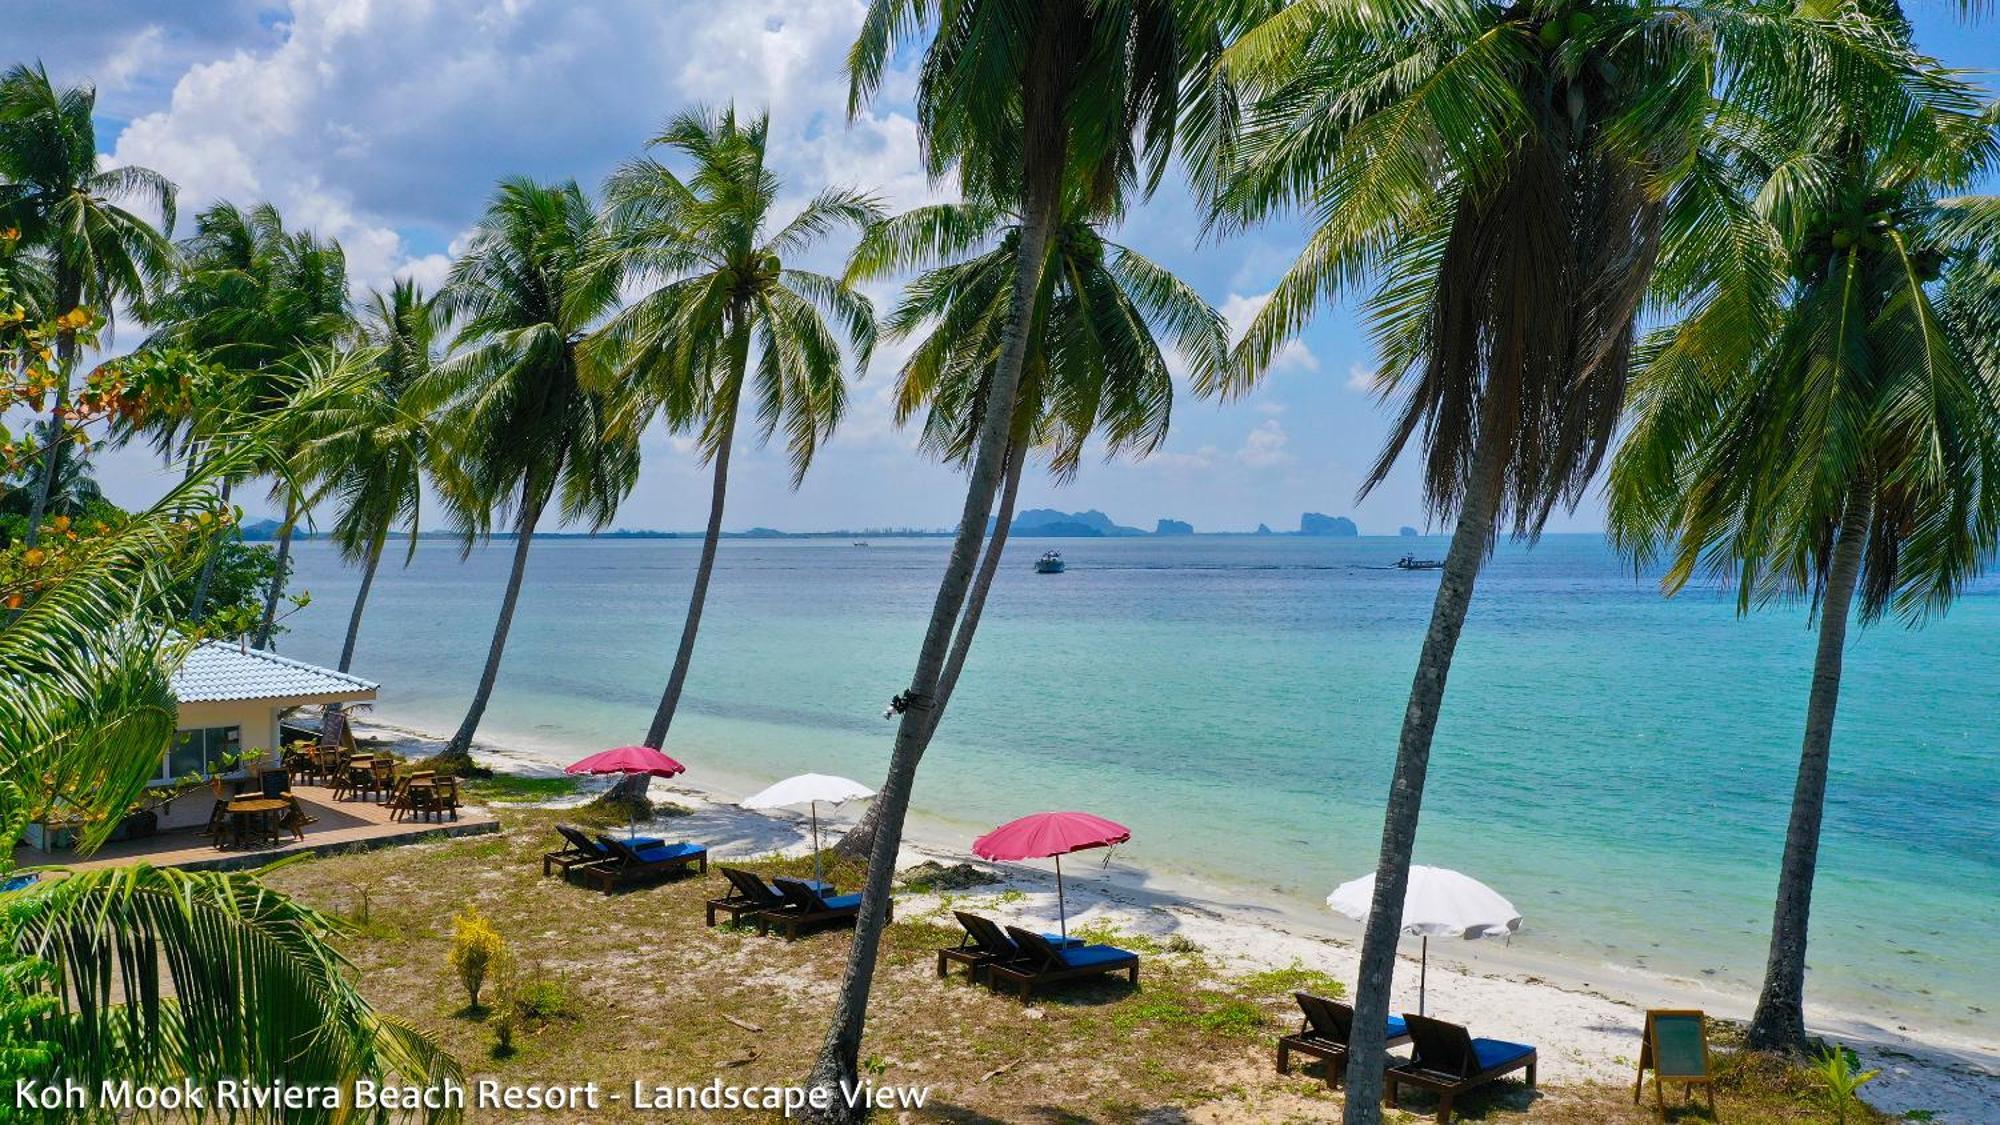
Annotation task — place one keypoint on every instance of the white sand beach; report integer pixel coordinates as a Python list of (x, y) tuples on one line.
[(1584, 1020)]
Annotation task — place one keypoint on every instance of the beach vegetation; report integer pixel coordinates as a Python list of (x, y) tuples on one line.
[(476, 950), (1495, 184), (369, 456), (1840, 1070), (1824, 424), (1296, 977), (527, 435), (137, 972), (1094, 367), (74, 245), (255, 304), (1068, 108), (727, 310)]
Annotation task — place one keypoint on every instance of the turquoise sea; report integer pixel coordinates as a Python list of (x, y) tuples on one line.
[(1617, 764)]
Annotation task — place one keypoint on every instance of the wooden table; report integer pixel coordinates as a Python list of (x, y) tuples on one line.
[(244, 811)]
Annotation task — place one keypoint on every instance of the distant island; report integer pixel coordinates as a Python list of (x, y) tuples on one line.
[(1050, 523), (1407, 532), (1313, 523), (1041, 523)]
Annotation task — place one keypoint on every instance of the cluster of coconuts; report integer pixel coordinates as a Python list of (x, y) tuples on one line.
[(1566, 25), (1864, 224)]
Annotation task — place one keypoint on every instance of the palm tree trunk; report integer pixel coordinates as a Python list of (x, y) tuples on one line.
[(276, 589), (58, 445), (200, 602), (663, 716), (460, 748), (858, 842), (1046, 146), (361, 602), (1780, 1021), (1470, 542)]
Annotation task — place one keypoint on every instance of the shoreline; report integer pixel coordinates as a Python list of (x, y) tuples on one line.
[(1585, 1022)]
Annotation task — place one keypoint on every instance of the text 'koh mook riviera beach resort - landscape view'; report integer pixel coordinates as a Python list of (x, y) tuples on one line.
[(1059, 561)]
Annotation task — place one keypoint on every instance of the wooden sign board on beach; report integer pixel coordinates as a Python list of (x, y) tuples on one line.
[(1675, 1049)]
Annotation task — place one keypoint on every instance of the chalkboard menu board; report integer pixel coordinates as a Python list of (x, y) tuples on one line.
[(1675, 1049)]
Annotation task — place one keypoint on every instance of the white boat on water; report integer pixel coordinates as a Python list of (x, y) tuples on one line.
[(1051, 562)]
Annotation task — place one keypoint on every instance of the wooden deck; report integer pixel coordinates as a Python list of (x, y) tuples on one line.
[(348, 825)]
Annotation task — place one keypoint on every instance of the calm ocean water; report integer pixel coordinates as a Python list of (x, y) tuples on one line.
[(1617, 764)]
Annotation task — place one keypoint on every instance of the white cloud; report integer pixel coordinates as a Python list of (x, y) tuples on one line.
[(1361, 377), (1239, 310), (385, 125), (1264, 447)]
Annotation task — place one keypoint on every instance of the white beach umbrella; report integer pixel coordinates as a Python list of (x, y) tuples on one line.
[(1439, 902), (809, 790)]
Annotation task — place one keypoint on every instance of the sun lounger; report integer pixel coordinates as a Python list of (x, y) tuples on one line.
[(1328, 1025), (984, 944), (1042, 962), (1450, 1062), (750, 894), (579, 849), (628, 864), (806, 907)]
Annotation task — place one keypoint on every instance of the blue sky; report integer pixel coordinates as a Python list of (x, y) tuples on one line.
[(385, 125)]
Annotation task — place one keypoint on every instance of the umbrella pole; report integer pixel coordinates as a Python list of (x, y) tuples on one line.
[(815, 815), (1423, 974), (631, 820), (1062, 910)]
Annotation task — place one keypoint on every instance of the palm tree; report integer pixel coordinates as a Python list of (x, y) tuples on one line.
[(370, 452), (514, 414), (136, 972), (722, 291), (1498, 176), (1044, 101), (67, 209), (1826, 421), (256, 301), (1094, 364)]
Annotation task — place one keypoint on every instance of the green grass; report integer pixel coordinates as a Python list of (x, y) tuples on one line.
[(512, 789), (1295, 977)]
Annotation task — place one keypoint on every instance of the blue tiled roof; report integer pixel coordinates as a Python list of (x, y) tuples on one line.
[(219, 670)]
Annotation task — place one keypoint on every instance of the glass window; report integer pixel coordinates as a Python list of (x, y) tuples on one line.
[(199, 751)]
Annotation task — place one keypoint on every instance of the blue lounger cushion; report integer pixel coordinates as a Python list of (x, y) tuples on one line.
[(1092, 955), (1397, 1027), (842, 902), (1061, 942), (668, 851), (1498, 1052)]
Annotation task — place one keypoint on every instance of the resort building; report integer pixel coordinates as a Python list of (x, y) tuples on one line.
[(232, 701)]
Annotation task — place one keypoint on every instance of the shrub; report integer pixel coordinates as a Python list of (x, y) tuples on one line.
[(476, 949)]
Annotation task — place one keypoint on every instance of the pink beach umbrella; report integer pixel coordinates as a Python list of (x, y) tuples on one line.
[(627, 761), (1042, 835)]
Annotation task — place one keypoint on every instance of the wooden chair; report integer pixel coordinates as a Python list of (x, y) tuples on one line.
[(1042, 963), (444, 797), (383, 767), (1324, 1034), (1447, 1060), (217, 828), (356, 777)]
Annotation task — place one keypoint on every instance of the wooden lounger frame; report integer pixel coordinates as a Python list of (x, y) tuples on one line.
[(1453, 1071), (1323, 1035), (625, 866), (806, 908), (1040, 964), (750, 896)]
